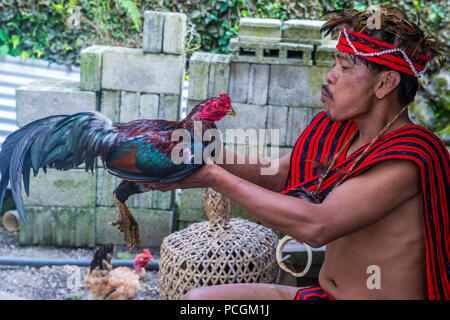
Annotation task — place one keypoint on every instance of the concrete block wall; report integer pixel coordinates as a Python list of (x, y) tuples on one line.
[(73, 208), (273, 76)]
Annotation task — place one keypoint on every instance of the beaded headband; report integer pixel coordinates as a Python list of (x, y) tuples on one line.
[(382, 53)]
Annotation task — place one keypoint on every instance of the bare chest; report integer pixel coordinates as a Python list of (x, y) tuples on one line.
[(392, 249)]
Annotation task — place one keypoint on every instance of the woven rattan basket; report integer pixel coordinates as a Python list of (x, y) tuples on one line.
[(218, 251)]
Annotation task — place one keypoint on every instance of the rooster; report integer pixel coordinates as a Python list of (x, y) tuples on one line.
[(105, 283), (138, 152)]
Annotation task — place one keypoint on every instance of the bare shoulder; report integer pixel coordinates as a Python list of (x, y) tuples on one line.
[(368, 198)]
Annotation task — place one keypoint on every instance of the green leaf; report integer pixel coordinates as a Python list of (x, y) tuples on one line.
[(4, 49), (3, 36), (15, 40)]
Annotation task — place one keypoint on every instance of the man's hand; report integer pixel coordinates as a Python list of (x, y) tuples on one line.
[(202, 178)]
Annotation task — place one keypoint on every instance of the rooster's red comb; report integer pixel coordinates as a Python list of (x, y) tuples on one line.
[(226, 99)]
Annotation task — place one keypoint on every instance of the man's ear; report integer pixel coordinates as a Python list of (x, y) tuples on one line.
[(388, 81)]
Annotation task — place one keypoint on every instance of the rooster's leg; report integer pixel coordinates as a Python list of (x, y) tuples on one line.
[(126, 223)]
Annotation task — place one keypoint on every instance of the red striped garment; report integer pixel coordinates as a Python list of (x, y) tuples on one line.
[(323, 138), (312, 293)]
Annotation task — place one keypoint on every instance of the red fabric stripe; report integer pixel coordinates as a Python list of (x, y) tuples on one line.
[(295, 164)]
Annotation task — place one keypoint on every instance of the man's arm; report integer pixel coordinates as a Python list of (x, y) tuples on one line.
[(253, 167), (357, 203)]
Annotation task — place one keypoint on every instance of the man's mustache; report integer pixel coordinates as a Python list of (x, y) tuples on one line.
[(327, 91)]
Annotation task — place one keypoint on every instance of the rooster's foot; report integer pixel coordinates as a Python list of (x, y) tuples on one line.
[(127, 224)]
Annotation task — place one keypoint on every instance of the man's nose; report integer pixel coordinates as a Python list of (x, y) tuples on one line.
[(331, 77)]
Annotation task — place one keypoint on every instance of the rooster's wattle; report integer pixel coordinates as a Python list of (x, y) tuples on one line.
[(138, 152)]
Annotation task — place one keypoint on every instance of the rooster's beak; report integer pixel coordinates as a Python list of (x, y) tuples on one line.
[(231, 112)]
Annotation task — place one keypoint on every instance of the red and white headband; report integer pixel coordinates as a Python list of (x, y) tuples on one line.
[(382, 53)]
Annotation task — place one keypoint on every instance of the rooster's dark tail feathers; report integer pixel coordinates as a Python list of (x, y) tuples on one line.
[(62, 142)]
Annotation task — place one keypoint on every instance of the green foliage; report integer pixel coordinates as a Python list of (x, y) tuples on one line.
[(44, 28)]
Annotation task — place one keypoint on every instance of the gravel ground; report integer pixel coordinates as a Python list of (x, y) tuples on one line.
[(57, 282)]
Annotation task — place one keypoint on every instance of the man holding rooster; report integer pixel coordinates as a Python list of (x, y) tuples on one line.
[(361, 179)]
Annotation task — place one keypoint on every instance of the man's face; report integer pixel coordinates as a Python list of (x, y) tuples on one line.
[(349, 92)]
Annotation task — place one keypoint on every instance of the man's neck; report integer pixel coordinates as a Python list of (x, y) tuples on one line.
[(371, 123)]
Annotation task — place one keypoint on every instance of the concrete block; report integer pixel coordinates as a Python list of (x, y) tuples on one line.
[(61, 226), (91, 68), (298, 120), (47, 98), (169, 107), (191, 205), (199, 65), (302, 31), (133, 70), (149, 105), (256, 30), (73, 188), (271, 52), (219, 74), (324, 54), (153, 31), (296, 85), (129, 106), (154, 226), (239, 78), (248, 116), (258, 84), (277, 118), (174, 32), (110, 104)]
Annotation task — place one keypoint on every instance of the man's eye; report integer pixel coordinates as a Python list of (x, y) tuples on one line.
[(344, 68)]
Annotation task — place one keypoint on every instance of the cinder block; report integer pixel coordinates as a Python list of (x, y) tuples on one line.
[(154, 226), (91, 68), (258, 84), (133, 70), (239, 78), (302, 31), (129, 106), (296, 85), (47, 98), (199, 65), (298, 120), (169, 107), (256, 30), (248, 116), (324, 54), (277, 118), (149, 106), (191, 205), (73, 188), (153, 31), (61, 226), (174, 32), (110, 104), (271, 52), (219, 74)]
